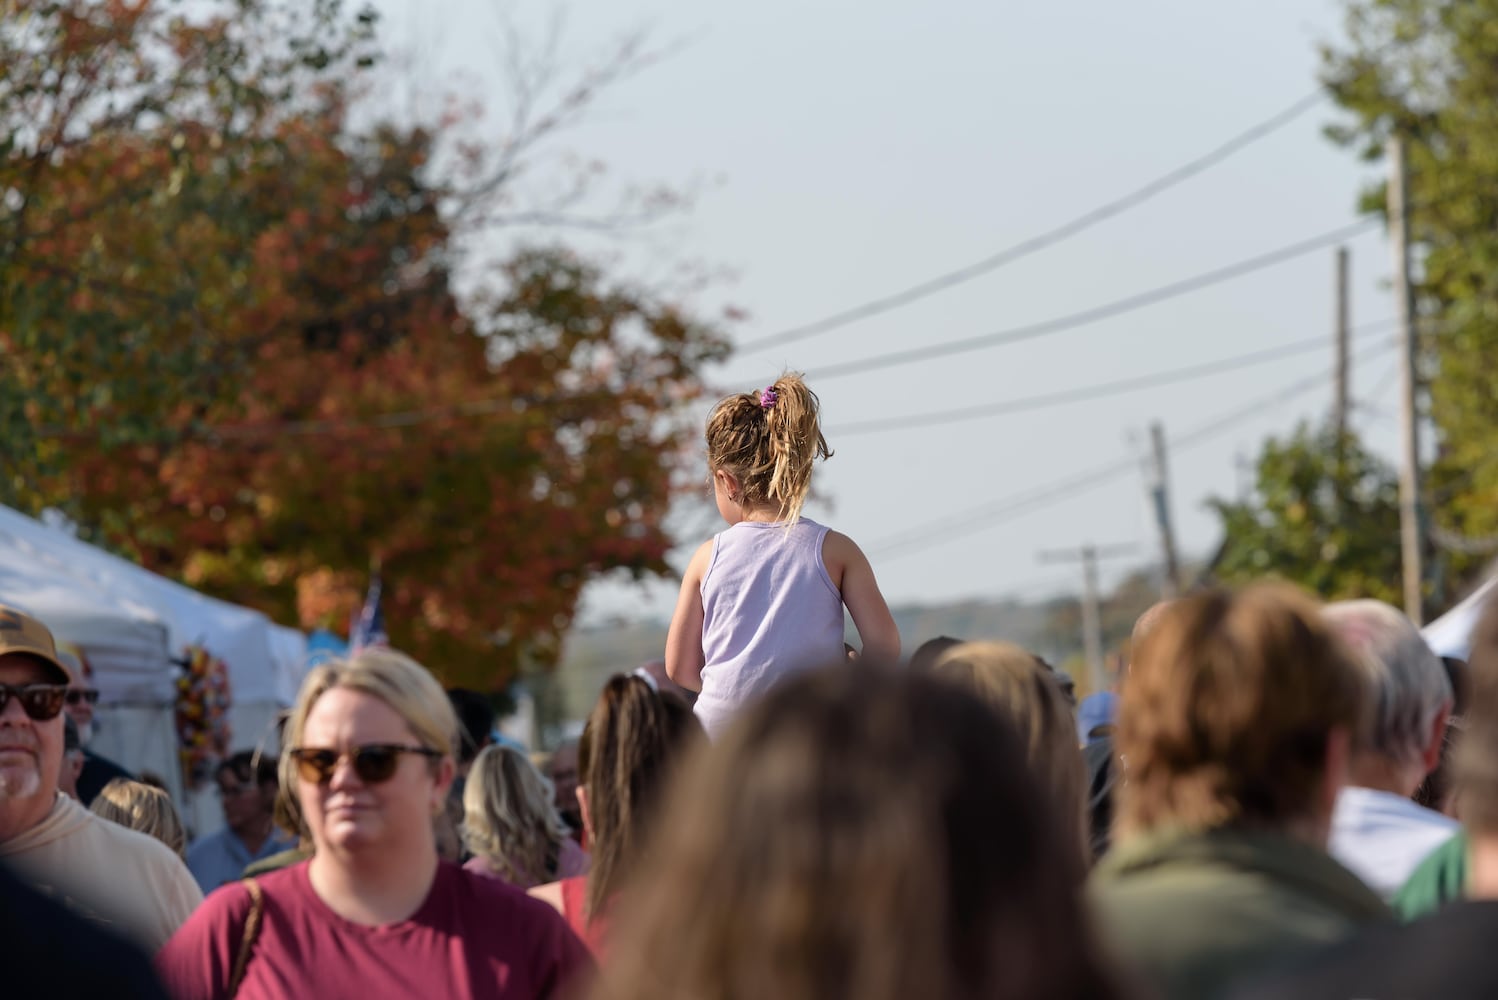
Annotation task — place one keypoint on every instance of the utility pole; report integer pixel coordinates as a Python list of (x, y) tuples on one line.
[(1409, 466), (1160, 495), (1092, 618), (1344, 385)]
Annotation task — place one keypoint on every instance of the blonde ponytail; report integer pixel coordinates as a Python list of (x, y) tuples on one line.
[(769, 440)]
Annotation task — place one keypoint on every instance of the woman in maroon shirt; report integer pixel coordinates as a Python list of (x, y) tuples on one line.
[(374, 914)]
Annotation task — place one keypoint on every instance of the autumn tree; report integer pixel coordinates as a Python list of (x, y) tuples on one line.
[(233, 347), (1428, 71), (1324, 513)]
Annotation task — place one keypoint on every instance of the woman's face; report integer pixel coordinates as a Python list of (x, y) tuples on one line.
[(349, 814)]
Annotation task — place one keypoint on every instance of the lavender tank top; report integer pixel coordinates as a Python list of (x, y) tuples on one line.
[(769, 609)]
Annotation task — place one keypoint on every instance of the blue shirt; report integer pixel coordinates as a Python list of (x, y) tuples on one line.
[(222, 857)]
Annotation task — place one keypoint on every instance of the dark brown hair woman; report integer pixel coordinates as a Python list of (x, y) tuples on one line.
[(858, 833), (629, 747)]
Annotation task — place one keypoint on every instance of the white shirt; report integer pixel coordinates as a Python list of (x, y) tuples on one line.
[(1383, 837)]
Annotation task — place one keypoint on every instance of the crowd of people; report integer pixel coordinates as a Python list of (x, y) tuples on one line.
[(1282, 798)]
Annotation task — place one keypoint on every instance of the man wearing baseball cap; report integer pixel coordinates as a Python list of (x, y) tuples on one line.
[(117, 877), (98, 770)]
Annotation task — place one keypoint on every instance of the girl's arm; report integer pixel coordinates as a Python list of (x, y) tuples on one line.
[(684, 640), (876, 626)]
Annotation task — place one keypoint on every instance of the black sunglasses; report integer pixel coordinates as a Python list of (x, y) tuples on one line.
[(373, 762), (40, 701), (77, 697)]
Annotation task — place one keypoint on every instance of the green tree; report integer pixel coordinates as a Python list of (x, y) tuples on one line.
[(1428, 70), (1324, 514)]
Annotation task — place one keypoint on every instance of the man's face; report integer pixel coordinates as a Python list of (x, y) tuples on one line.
[(244, 803), (30, 749), (72, 768), (81, 699)]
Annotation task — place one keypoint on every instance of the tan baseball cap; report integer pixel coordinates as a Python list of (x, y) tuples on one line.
[(21, 633)]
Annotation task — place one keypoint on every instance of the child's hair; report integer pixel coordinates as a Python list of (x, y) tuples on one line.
[(509, 817), (629, 748), (769, 440), (144, 808)]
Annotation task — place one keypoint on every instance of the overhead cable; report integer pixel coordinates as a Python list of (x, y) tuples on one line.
[(1049, 238), (1007, 508), (1100, 390), (1108, 310)]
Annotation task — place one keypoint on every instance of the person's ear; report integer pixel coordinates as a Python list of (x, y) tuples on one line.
[(446, 771), (1335, 777), (1431, 757), (582, 808), (730, 483)]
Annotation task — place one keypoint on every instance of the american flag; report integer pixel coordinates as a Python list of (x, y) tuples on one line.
[(369, 628)]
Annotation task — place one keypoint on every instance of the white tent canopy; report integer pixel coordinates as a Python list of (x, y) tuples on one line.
[(1451, 634), (124, 642), (263, 664), (238, 636)]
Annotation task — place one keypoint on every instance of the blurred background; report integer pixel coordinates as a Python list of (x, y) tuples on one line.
[(413, 312)]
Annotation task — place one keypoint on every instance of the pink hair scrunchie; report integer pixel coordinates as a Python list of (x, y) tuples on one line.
[(768, 397)]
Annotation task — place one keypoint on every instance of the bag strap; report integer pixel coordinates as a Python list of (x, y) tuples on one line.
[(251, 931)]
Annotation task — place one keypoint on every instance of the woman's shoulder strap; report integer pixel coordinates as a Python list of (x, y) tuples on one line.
[(251, 932)]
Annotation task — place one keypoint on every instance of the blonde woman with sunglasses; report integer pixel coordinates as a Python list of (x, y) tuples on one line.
[(375, 913)]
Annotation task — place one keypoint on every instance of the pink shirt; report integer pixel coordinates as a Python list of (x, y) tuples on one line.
[(592, 929), (472, 937), (571, 860)]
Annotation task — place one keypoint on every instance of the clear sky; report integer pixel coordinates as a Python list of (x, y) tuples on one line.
[(855, 149)]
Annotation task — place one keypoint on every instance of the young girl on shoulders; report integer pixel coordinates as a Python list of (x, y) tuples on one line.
[(765, 598)]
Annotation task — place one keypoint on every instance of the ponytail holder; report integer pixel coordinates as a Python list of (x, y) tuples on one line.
[(767, 397)]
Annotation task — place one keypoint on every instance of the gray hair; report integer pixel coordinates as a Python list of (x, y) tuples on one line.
[(1409, 685)]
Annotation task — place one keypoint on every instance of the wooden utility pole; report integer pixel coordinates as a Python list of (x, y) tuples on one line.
[(1409, 466), (1092, 617), (1160, 495), (1344, 346)]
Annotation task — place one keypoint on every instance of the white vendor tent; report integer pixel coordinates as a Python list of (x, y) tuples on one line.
[(45, 569), (263, 665), (1451, 634), (125, 643)]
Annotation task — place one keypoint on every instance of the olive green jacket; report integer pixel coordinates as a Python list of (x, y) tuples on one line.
[(1193, 914)]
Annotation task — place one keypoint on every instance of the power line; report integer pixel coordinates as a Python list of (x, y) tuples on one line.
[(1035, 243), (1106, 311), (1010, 507), (1099, 390)]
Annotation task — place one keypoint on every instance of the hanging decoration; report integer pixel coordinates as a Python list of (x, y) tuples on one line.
[(202, 714)]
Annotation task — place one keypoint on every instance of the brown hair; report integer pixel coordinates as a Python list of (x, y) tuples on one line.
[(770, 448), (860, 832), (1476, 761), (1026, 692), (144, 808), (631, 741), (1229, 704)]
